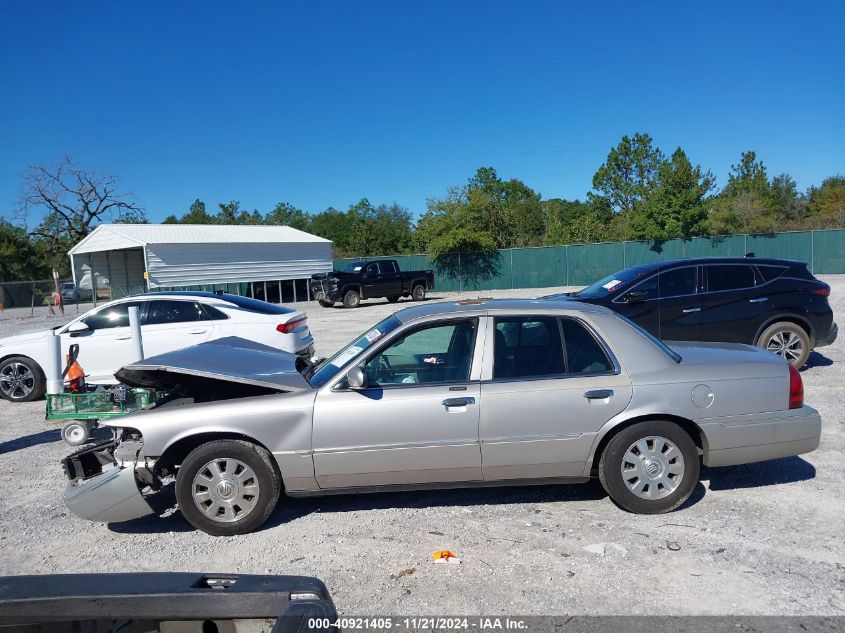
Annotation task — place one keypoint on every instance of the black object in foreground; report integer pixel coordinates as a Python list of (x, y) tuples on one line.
[(141, 602)]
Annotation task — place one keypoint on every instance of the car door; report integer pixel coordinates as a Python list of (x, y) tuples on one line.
[(549, 385), (732, 308), (680, 312), (417, 420), (106, 345), (173, 324), (371, 281), (391, 278), (640, 304)]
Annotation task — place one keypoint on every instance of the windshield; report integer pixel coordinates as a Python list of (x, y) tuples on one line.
[(651, 337), (614, 282), (328, 368), (352, 267)]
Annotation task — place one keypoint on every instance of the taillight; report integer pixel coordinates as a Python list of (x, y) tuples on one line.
[(796, 389), (824, 292), (290, 326)]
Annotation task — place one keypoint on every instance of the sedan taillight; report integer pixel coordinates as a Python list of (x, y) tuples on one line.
[(290, 326), (796, 389)]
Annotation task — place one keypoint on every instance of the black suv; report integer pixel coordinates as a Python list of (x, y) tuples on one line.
[(776, 304)]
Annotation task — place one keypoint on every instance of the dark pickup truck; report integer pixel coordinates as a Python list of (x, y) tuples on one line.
[(370, 280)]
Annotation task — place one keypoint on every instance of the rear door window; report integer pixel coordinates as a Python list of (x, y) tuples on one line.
[(722, 277), (387, 267), (527, 346), (163, 312), (584, 354)]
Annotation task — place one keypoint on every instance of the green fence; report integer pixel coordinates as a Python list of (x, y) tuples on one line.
[(581, 264)]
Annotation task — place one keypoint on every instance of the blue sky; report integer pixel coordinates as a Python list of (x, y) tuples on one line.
[(322, 103)]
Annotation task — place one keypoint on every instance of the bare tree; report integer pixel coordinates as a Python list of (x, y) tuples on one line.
[(73, 201)]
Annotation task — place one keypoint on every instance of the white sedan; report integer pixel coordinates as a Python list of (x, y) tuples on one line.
[(169, 321)]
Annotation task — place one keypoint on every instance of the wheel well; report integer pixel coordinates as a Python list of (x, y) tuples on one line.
[(689, 426), (175, 453), (789, 318)]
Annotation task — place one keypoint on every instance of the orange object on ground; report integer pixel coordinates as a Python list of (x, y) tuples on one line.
[(444, 556)]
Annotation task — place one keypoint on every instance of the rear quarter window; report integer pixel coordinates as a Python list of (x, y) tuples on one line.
[(770, 273)]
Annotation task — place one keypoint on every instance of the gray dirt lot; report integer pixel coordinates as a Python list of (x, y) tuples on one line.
[(758, 539)]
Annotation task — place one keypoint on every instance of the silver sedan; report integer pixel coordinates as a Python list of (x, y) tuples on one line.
[(475, 393)]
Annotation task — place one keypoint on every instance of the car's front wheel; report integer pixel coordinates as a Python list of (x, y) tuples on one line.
[(788, 340), (21, 379), (325, 303), (650, 468), (228, 487)]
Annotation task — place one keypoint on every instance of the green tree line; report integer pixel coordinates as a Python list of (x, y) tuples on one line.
[(638, 193)]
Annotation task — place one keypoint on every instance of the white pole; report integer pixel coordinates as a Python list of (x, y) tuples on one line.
[(53, 366), (135, 330)]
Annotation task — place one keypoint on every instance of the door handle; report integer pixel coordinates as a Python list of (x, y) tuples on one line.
[(688, 310), (598, 394), (123, 337), (197, 331), (458, 402), (758, 300)]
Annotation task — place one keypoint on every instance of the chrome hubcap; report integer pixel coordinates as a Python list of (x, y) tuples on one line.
[(652, 467), (16, 381), (786, 344), (225, 490)]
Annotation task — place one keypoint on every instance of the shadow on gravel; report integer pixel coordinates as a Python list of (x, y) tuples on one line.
[(770, 473), (817, 360), (291, 509), (42, 437)]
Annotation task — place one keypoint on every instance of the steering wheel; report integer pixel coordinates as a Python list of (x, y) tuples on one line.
[(384, 368)]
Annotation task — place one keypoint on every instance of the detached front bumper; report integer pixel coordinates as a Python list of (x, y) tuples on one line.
[(324, 290), (101, 489)]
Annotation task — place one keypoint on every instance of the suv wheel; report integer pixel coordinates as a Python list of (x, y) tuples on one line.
[(787, 340), (351, 299), (228, 487), (21, 379), (650, 467)]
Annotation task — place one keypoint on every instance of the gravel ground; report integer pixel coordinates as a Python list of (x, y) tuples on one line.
[(757, 539)]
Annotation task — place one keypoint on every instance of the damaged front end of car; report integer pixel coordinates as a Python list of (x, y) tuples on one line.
[(110, 481)]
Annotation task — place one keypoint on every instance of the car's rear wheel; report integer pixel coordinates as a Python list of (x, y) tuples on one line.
[(351, 299), (21, 379), (418, 292), (228, 487), (788, 340), (650, 468), (393, 299)]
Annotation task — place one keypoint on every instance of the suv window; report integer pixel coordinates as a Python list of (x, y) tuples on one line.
[(112, 316), (161, 312), (527, 346), (433, 354), (722, 277), (770, 273), (648, 287), (677, 282), (584, 354)]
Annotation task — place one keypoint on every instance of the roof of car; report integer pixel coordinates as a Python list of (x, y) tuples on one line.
[(482, 306), (668, 263)]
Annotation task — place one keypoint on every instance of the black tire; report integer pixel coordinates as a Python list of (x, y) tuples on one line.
[(325, 303), (788, 340), (257, 458), (351, 299), (418, 292), (21, 380), (393, 299), (613, 459)]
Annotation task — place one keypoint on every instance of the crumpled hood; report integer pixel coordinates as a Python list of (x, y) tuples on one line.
[(231, 359)]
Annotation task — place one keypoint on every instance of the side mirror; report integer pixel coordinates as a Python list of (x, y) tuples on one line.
[(356, 378), (635, 297), (78, 328)]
